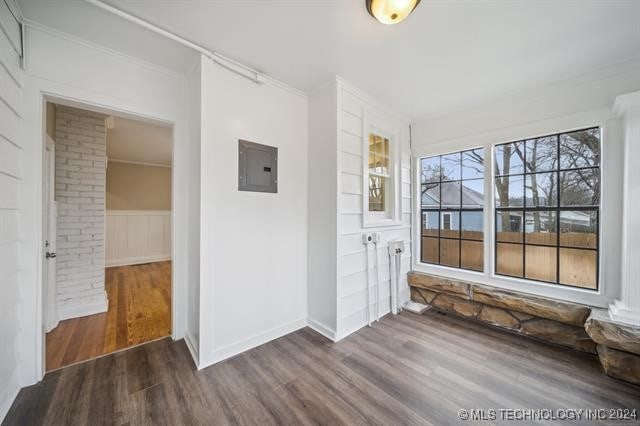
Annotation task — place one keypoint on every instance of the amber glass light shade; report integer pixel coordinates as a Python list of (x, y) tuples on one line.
[(391, 11)]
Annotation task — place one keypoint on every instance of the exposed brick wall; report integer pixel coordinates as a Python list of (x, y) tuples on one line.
[(80, 193)]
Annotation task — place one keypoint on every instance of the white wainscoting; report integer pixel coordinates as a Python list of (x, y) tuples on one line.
[(137, 236)]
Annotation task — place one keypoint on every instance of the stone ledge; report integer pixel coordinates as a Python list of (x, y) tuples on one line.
[(538, 306), (618, 345), (559, 333), (607, 332), (440, 284), (540, 328), (619, 364), (563, 323), (544, 307)]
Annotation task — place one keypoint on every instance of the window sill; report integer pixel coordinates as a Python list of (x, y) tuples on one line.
[(569, 294), (381, 223)]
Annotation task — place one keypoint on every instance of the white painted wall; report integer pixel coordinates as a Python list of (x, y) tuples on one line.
[(192, 333), (76, 72), (571, 104), (11, 208), (253, 254), (586, 92), (133, 237), (322, 206), (337, 258)]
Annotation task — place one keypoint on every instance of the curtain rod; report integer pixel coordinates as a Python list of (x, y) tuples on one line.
[(228, 63)]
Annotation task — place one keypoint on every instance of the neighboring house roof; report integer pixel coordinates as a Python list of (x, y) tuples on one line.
[(450, 195), (568, 216)]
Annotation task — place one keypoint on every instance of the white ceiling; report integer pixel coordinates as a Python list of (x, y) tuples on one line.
[(448, 55), (137, 141)]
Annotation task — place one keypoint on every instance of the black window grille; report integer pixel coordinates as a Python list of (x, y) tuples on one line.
[(452, 209), (547, 208)]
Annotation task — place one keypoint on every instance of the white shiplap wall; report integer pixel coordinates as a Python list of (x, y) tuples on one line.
[(352, 256), (11, 147)]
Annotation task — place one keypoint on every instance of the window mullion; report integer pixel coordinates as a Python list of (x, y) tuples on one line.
[(489, 225), (558, 190)]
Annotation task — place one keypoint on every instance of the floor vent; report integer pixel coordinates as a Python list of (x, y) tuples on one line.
[(415, 307)]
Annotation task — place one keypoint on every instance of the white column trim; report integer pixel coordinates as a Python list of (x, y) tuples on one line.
[(627, 308)]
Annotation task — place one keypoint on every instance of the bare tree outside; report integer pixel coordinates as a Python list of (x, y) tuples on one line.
[(547, 199), (452, 198)]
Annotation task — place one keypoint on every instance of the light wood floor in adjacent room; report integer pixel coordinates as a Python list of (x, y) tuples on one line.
[(139, 311), (405, 370)]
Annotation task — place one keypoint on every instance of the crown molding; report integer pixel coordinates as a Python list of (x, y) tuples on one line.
[(630, 66), (624, 103), (284, 86), (370, 99), (95, 46)]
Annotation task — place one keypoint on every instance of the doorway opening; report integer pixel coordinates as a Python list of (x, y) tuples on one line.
[(108, 230)]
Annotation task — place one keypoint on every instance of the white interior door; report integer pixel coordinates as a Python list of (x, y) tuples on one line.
[(51, 218)]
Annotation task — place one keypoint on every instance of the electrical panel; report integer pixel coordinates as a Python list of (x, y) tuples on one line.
[(257, 167)]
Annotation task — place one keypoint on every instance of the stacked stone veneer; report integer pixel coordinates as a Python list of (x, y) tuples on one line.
[(80, 193), (567, 324), (618, 345), (554, 321)]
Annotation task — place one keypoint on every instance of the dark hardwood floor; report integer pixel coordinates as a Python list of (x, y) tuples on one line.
[(407, 369)]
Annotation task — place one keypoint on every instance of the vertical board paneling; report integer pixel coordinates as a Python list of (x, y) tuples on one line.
[(155, 243), (135, 237)]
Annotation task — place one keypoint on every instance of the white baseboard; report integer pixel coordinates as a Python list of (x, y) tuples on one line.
[(193, 347), (75, 311), (250, 343), (322, 329), (357, 320), (137, 260)]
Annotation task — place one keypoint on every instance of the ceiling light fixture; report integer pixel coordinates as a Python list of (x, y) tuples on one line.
[(391, 11)]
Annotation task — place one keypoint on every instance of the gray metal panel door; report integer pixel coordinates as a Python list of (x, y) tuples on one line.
[(257, 167)]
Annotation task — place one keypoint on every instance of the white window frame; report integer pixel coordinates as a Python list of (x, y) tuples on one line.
[(373, 123), (443, 214), (611, 156)]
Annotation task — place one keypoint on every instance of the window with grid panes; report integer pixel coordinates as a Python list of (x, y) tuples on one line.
[(452, 209), (547, 208), (379, 173)]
